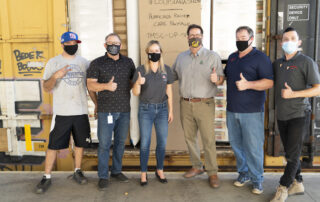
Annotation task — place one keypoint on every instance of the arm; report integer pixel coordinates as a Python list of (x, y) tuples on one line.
[(170, 105), (137, 85), (217, 76), (174, 72), (288, 93), (133, 70), (92, 80), (131, 84), (260, 85), (136, 89), (94, 86), (220, 81), (265, 72), (93, 96), (49, 84)]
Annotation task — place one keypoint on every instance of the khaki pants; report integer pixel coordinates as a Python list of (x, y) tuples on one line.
[(194, 116)]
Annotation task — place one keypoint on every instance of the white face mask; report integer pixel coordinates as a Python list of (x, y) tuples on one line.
[(290, 47)]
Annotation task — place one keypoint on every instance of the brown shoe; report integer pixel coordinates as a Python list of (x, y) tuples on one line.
[(193, 172), (214, 181)]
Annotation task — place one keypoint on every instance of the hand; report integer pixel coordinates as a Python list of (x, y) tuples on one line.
[(242, 84), (141, 80), (170, 117), (61, 72), (214, 76), (287, 93), (111, 86)]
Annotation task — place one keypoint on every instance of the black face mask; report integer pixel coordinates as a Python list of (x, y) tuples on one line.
[(71, 49), (242, 45), (154, 57), (113, 49), (195, 42)]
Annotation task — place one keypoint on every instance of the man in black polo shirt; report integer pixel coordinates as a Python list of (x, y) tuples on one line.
[(296, 79), (110, 75)]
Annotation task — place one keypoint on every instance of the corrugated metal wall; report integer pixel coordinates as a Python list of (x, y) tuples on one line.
[(29, 36)]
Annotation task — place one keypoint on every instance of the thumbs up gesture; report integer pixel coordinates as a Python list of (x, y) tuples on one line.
[(214, 76), (111, 86), (242, 84), (141, 80), (287, 93)]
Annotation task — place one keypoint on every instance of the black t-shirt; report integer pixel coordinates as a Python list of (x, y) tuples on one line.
[(300, 73), (103, 68), (154, 89)]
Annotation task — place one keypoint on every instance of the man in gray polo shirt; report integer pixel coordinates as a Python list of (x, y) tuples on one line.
[(199, 71), (296, 79)]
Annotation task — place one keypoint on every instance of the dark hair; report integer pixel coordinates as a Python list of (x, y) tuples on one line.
[(112, 34), (249, 30), (290, 29), (193, 26)]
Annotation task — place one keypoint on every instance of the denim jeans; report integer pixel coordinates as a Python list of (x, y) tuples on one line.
[(150, 114), (120, 126), (292, 133), (246, 134)]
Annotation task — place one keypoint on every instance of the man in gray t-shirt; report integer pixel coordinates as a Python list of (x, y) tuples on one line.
[(65, 77), (69, 92), (296, 79)]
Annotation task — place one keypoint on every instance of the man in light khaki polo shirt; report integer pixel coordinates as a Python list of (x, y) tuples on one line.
[(199, 71)]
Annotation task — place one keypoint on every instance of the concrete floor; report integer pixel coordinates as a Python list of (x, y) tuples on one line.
[(19, 186)]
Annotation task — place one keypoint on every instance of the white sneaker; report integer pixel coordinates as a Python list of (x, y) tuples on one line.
[(257, 188), (296, 188), (243, 178), (281, 194)]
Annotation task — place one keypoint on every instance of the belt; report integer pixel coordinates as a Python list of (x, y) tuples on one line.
[(197, 99)]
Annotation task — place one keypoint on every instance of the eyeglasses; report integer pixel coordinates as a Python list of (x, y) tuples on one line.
[(109, 43), (195, 35)]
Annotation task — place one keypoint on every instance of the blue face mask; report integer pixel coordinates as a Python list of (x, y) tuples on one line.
[(290, 47)]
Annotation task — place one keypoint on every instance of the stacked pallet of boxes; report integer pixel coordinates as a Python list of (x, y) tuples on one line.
[(221, 131)]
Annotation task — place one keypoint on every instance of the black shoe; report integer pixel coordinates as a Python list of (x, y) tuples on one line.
[(120, 177), (43, 185), (164, 180), (144, 183), (103, 184), (79, 177)]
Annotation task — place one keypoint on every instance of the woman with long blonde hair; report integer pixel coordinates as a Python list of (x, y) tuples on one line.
[(153, 83)]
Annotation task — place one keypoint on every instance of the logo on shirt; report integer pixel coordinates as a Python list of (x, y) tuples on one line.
[(75, 76), (292, 67), (88, 140), (232, 59), (164, 77)]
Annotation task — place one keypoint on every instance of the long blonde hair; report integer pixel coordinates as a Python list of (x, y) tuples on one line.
[(147, 62)]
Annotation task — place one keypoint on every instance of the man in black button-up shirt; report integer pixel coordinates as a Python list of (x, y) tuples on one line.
[(110, 75)]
